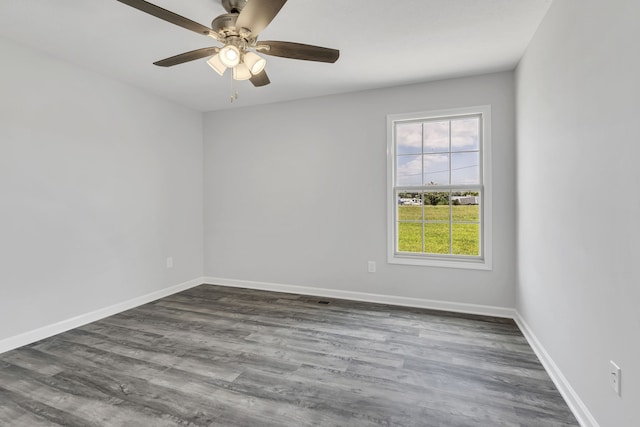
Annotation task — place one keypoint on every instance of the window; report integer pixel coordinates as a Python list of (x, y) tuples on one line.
[(439, 188)]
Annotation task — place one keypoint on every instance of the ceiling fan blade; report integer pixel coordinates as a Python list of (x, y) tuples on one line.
[(187, 56), (168, 16), (260, 79), (257, 14), (298, 51)]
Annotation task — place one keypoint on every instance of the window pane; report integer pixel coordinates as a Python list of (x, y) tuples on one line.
[(436, 137), (409, 237), (465, 208), (436, 238), (465, 134), (436, 169), (410, 207), (466, 239), (409, 138), (436, 206), (409, 170), (465, 168)]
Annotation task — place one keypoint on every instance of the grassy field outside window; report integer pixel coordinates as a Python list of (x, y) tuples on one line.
[(462, 239)]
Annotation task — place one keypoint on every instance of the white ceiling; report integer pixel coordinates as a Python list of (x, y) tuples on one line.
[(382, 43)]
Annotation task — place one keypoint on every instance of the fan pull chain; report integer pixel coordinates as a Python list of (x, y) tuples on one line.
[(234, 92)]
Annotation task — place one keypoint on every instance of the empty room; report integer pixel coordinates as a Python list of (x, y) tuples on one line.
[(319, 213)]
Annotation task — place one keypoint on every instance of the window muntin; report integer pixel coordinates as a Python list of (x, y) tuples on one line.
[(438, 188)]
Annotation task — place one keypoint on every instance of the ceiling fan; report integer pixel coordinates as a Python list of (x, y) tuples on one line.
[(238, 31)]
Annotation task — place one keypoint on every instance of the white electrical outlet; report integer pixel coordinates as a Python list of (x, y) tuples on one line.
[(371, 266), (614, 377), (170, 262)]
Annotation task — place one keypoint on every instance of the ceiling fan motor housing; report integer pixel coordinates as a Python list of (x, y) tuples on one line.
[(225, 25)]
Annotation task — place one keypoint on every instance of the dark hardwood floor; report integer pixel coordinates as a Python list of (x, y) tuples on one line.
[(217, 356)]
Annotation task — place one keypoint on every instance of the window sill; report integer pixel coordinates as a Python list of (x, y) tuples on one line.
[(459, 263)]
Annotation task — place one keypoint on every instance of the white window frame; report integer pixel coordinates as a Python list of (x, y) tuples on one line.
[(482, 262)]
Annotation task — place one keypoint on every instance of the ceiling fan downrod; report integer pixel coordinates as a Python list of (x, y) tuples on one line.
[(234, 6)]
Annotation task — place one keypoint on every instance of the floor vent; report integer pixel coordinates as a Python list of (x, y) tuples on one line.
[(324, 302)]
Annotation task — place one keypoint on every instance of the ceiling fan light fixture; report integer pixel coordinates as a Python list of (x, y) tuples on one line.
[(230, 56), (255, 62), (215, 63), (241, 72), (238, 32)]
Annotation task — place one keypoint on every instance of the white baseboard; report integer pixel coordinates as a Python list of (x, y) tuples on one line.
[(570, 396), (74, 322), (485, 310)]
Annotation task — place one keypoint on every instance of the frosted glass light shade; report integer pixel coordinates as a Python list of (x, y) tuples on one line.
[(241, 72), (255, 62), (230, 56), (215, 63)]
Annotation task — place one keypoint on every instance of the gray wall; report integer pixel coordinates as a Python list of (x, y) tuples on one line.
[(295, 193), (99, 182), (578, 209)]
